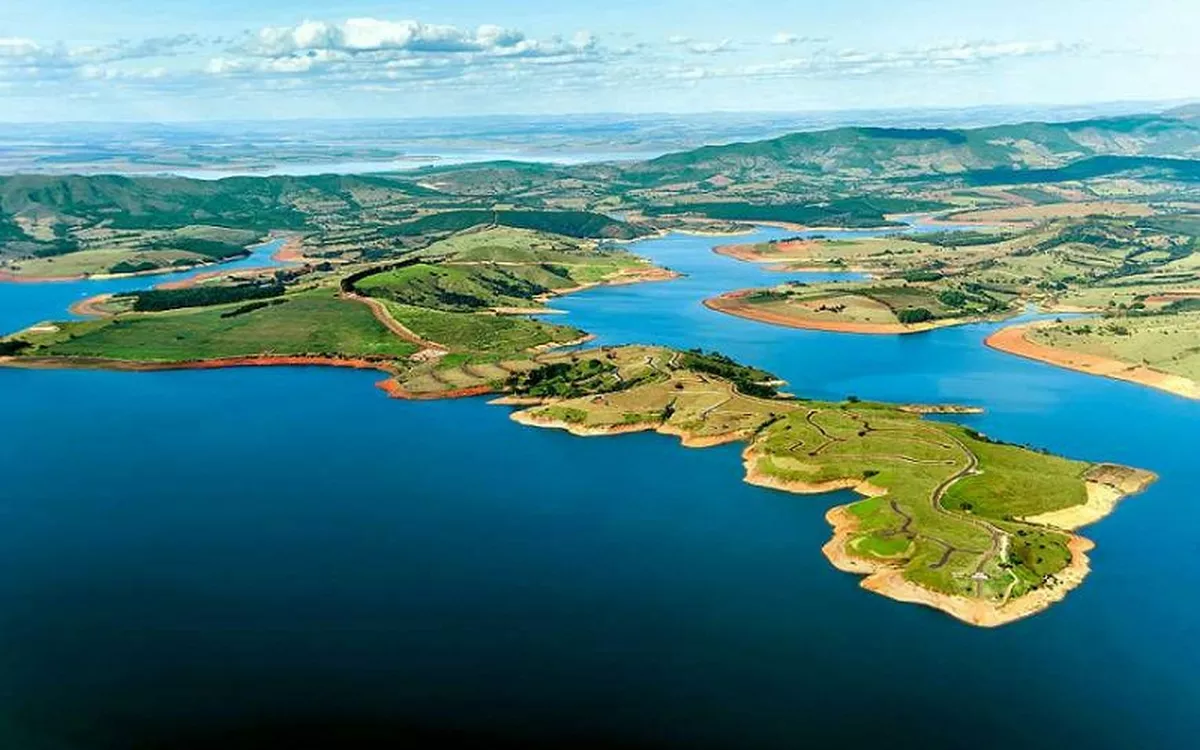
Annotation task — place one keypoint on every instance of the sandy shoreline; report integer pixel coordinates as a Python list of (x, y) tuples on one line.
[(730, 303), (688, 440), (750, 254), (1012, 340), (886, 578), (90, 307), (1103, 495), (623, 278), (292, 249)]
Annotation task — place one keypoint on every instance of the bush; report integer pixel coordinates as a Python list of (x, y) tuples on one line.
[(922, 275), (9, 348), (952, 298), (156, 300), (914, 315)]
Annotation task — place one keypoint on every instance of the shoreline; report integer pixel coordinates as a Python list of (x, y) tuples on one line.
[(726, 303), (389, 385), (1012, 340), (1102, 498), (887, 579), (90, 307), (688, 440), (880, 576), (287, 253), (215, 363), (748, 254), (647, 275)]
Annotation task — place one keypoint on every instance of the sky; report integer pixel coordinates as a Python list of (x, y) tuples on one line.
[(179, 60)]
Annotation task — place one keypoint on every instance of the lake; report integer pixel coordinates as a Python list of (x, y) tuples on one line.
[(287, 554)]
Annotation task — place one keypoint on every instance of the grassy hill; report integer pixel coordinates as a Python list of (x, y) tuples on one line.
[(578, 224), (895, 152)]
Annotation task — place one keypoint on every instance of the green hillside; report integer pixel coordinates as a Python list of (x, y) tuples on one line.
[(894, 152)]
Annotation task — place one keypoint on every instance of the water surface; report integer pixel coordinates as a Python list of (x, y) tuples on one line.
[(273, 550)]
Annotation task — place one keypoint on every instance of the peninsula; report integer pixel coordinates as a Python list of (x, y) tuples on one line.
[(441, 279), (950, 518)]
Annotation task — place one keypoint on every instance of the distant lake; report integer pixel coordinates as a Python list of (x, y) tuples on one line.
[(310, 168), (281, 551)]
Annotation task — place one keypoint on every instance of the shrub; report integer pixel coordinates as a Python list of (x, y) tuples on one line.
[(914, 315)]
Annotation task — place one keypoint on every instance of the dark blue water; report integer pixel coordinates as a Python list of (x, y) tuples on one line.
[(284, 552)]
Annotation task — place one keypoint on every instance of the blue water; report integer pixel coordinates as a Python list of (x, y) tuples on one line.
[(287, 552)]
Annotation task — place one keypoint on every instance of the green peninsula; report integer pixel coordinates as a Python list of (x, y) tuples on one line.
[(433, 277), (950, 519)]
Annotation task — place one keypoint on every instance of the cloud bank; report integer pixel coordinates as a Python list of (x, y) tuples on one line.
[(499, 62)]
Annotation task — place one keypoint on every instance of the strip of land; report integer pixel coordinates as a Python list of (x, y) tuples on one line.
[(1015, 340), (737, 304)]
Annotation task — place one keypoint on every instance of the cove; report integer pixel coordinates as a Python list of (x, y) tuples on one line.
[(268, 551)]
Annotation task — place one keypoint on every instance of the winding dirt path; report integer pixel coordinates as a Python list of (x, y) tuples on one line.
[(999, 538), (429, 349)]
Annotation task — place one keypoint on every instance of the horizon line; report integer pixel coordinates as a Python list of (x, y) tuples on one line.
[(1150, 104)]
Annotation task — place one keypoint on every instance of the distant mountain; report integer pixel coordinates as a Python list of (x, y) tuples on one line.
[(873, 153), (1186, 112)]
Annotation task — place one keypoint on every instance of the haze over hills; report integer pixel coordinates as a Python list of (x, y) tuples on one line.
[(893, 152), (215, 149), (50, 214)]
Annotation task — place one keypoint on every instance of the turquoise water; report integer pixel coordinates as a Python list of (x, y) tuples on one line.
[(287, 553)]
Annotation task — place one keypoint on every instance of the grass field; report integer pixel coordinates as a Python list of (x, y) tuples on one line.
[(1169, 343), (92, 262), (459, 288), (887, 303), (102, 250), (1045, 212), (956, 520), (480, 332), (498, 267), (315, 323)]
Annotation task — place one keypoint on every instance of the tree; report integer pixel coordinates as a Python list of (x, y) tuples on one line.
[(914, 315)]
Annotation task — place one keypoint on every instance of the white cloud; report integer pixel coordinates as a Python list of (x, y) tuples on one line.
[(710, 48), (366, 36), (26, 59), (492, 61), (947, 57), (786, 38)]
